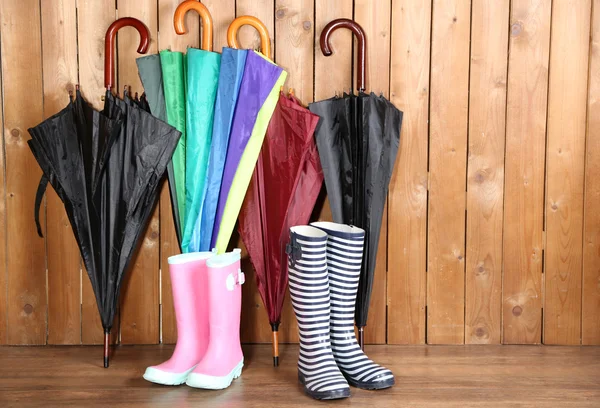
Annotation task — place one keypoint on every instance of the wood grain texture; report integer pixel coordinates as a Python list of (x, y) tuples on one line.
[(433, 377), (168, 39), (255, 321), (263, 10), (524, 170), (407, 217), (60, 74), (294, 34), (374, 18), (333, 74), (590, 329), (93, 18), (565, 156), (139, 293), (22, 80), (485, 179), (223, 13), (3, 243), (447, 169)]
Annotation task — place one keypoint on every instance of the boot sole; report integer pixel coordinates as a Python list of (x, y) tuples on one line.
[(209, 382), (378, 385), (323, 395), (164, 378)]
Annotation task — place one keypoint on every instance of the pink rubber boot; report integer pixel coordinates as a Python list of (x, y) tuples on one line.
[(189, 282), (223, 360)]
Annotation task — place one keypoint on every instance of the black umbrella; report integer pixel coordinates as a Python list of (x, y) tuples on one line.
[(358, 138), (106, 168)]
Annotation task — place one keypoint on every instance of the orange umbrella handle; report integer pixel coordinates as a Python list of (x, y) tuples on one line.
[(265, 41), (109, 45), (362, 45), (207, 22)]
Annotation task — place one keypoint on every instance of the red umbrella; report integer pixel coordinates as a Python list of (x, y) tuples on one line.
[(283, 191)]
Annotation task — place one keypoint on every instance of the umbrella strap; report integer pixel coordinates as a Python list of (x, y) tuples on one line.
[(293, 249), (39, 196)]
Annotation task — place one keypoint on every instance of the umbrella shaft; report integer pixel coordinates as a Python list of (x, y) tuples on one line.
[(106, 348), (361, 337)]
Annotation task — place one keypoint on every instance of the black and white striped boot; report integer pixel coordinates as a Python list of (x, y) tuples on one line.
[(309, 290), (344, 257)]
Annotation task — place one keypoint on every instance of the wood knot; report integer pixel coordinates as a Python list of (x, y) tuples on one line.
[(480, 332), (15, 133), (70, 88), (280, 13), (516, 29), (517, 311), (154, 235), (28, 309), (554, 206), (307, 25), (460, 257), (454, 19), (479, 177), (481, 269)]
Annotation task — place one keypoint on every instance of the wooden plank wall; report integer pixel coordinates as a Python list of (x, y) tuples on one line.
[(491, 234)]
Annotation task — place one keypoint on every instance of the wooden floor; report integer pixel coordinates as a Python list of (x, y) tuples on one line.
[(427, 376)]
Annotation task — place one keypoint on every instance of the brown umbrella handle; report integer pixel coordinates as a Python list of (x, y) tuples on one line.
[(362, 45), (109, 45), (207, 22), (265, 40)]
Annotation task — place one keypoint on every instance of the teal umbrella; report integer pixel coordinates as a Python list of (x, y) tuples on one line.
[(181, 89)]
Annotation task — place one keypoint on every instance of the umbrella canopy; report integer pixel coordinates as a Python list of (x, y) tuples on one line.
[(186, 84), (358, 136), (257, 98), (230, 78), (106, 168), (283, 191)]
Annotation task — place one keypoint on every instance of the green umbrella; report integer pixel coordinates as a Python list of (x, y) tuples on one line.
[(181, 89)]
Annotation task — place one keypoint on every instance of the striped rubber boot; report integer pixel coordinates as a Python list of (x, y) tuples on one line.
[(309, 290), (344, 257)]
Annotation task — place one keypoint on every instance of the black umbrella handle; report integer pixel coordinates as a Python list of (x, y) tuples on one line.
[(109, 45), (361, 60)]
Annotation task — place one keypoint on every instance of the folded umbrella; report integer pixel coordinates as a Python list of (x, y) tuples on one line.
[(258, 95), (283, 191), (106, 167), (202, 77), (358, 138)]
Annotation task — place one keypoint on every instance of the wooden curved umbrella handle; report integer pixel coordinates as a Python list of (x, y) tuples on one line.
[(265, 41), (362, 45), (207, 22), (109, 45)]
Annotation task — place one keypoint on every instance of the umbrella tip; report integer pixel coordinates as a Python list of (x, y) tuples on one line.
[(105, 361), (276, 361)]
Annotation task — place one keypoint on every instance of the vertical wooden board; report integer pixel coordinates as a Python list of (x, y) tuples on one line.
[(59, 57), (590, 316), (294, 34), (447, 169), (168, 39), (333, 74), (139, 294), (23, 93), (524, 170), (93, 18), (485, 182), (565, 170), (263, 10), (407, 240), (223, 13), (374, 18), (3, 243)]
